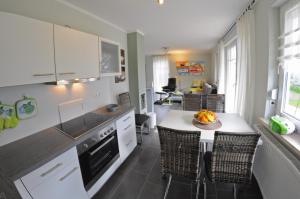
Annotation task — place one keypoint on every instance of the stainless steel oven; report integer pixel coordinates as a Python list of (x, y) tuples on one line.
[(97, 154)]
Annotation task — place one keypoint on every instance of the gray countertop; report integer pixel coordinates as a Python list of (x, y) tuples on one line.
[(23, 156)]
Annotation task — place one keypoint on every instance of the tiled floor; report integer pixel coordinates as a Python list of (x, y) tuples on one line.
[(139, 177)]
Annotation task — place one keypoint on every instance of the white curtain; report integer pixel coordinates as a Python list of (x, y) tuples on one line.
[(245, 66), (221, 68), (160, 72)]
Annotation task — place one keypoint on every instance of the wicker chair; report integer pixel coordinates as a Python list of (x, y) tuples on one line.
[(231, 159), (180, 154), (192, 102), (141, 120), (216, 102)]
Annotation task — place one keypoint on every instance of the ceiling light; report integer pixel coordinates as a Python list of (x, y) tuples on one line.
[(160, 2)]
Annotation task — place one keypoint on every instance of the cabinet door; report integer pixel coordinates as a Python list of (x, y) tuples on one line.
[(76, 54), (26, 51), (67, 184), (126, 135), (110, 58)]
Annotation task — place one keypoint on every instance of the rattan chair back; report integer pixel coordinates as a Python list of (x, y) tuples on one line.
[(192, 102), (216, 103), (124, 99), (180, 152), (232, 157)]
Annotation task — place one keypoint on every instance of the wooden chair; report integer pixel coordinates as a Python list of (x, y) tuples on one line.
[(216, 103), (141, 120), (180, 155), (231, 159)]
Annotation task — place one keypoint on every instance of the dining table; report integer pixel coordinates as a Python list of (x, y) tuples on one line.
[(182, 120)]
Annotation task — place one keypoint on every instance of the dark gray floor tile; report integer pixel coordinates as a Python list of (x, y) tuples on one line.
[(225, 194), (130, 187), (146, 160), (224, 186), (179, 191), (155, 175), (153, 191), (151, 139), (211, 188)]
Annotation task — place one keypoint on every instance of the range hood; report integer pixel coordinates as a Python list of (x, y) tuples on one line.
[(72, 81)]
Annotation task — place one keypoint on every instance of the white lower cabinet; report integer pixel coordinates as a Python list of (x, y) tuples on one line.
[(126, 131), (66, 184), (60, 179)]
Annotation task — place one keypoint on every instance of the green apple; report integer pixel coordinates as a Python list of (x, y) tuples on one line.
[(14, 122), (7, 123), (1, 124)]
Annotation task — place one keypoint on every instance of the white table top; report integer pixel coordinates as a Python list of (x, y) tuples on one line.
[(182, 120)]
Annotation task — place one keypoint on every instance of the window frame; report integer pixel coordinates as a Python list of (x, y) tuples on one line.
[(283, 74)]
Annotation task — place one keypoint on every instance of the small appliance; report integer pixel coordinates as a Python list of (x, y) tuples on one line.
[(281, 125)]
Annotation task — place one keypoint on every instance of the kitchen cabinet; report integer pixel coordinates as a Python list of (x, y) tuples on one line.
[(110, 58), (26, 51), (126, 131), (76, 54), (60, 178)]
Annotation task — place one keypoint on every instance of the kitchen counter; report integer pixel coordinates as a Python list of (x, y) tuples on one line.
[(23, 156)]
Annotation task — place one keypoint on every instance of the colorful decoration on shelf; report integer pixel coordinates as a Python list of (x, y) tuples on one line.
[(26, 108), (190, 68), (8, 117), (122, 76)]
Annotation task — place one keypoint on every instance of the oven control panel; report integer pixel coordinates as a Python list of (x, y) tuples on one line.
[(96, 138)]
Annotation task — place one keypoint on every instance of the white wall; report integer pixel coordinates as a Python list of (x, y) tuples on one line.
[(48, 97), (185, 82), (277, 175)]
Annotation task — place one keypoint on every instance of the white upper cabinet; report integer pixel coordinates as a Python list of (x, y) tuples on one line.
[(26, 51), (76, 54), (110, 58)]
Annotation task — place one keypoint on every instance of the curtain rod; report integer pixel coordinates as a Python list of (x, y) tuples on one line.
[(249, 7)]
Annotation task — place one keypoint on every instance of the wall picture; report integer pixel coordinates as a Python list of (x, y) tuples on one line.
[(190, 68), (122, 57)]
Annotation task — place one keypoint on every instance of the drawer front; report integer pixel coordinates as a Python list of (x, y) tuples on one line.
[(50, 169), (66, 184), (125, 121), (127, 141)]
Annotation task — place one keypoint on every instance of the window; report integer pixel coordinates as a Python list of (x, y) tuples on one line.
[(291, 63), (231, 76), (160, 72)]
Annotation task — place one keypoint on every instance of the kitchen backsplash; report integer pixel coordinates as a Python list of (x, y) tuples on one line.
[(49, 97)]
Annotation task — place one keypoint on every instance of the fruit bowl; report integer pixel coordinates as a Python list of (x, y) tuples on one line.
[(205, 117)]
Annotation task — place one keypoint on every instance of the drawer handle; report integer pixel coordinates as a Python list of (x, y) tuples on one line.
[(52, 169), (67, 73), (127, 127), (126, 119), (129, 143), (68, 174), (43, 74), (100, 147)]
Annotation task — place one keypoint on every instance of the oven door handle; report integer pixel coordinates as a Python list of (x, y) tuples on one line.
[(100, 147)]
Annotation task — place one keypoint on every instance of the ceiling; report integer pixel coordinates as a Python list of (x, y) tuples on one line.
[(178, 24)]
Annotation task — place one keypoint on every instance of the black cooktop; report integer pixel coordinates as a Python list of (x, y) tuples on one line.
[(81, 125)]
